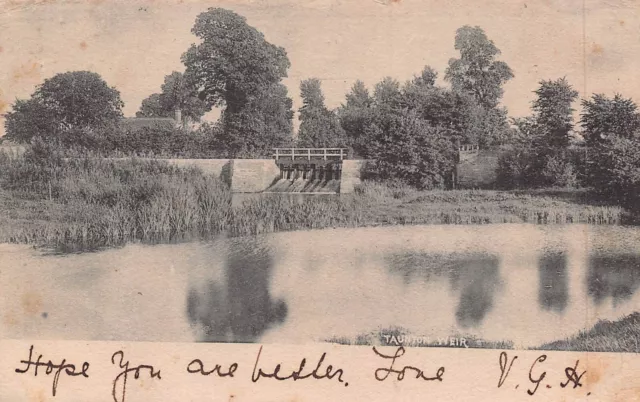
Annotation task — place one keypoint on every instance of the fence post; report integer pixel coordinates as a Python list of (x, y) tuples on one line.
[(308, 154), (276, 153)]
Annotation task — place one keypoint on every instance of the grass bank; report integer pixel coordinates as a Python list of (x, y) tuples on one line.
[(606, 336), (87, 203), (621, 336)]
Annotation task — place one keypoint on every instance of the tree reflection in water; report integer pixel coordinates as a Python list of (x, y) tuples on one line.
[(478, 278), (241, 309), (475, 275), (553, 290), (614, 276)]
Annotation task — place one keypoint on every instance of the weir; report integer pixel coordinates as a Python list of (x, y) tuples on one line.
[(295, 170), (308, 170)]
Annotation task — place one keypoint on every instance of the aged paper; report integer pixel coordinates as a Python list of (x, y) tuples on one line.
[(321, 200)]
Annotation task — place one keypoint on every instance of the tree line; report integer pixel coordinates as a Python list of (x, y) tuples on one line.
[(411, 130)]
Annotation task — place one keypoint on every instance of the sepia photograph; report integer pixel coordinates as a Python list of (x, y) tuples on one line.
[(338, 172)]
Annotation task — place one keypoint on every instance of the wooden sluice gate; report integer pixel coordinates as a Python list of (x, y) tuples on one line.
[(310, 163), (309, 169)]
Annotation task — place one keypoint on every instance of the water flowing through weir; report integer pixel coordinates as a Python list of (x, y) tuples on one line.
[(308, 170)]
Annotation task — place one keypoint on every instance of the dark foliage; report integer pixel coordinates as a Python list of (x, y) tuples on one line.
[(77, 100), (614, 170), (603, 118), (408, 149)]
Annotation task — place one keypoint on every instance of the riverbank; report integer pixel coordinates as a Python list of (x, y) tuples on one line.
[(84, 204), (606, 336), (620, 336)]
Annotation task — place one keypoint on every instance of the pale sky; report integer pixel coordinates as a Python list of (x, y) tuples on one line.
[(134, 44)]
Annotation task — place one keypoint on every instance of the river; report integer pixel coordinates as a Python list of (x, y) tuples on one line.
[(524, 283)]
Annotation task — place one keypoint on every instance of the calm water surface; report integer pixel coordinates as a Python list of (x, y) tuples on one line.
[(524, 283)]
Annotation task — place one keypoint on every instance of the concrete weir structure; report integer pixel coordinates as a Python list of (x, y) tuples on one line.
[(292, 170), (242, 175), (327, 170)]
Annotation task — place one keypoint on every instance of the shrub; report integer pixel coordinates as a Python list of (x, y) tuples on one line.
[(558, 171), (532, 167), (513, 167), (614, 170), (410, 150)]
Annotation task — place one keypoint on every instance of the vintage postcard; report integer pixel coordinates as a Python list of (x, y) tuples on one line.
[(269, 200)]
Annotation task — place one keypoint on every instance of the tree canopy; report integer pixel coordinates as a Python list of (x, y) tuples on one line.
[(409, 149), (235, 68), (387, 94), (319, 126), (234, 61), (554, 112), (477, 71), (176, 93), (603, 118), (263, 123), (355, 116), (75, 100)]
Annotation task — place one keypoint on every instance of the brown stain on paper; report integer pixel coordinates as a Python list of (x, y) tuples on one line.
[(3, 105), (31, 303), (9, 319), (597, 49), (594, 373), (37, 395), (26, 71), (83, 45), (596, 368)]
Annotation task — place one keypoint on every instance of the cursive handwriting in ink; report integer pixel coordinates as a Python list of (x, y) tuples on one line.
[(572, 376), (329, 372), (540, 378), (69, 369), (123, 375), (504, 370), (400, 373), (196, 366)]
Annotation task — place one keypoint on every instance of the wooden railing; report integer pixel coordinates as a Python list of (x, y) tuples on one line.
[(310, 153), (468, 148)]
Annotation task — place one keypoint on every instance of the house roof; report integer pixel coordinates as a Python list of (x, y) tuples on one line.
[(138, 123)]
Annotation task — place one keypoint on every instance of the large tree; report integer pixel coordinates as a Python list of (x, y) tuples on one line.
[(319, 126), (263, 123), (603, 118), (387, 95), (539, 156), (553, 111), (477, 71), (355, 116), (176, 93), (455, 112), (363, 114), (72, 101), (235, 68), (152, 106)]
